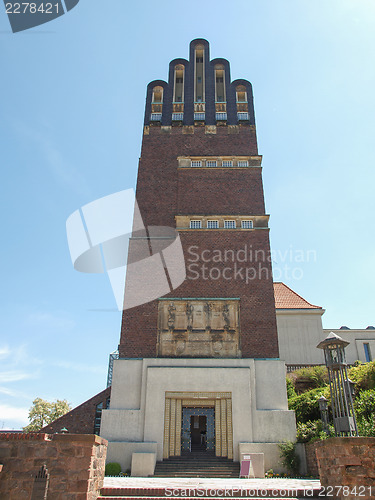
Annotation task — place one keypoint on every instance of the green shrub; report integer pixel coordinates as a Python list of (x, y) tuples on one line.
[(366, 427), (290, 390), (311, 377), (112, 469), (289, 457), (312, 431), (364, 406), (306, 405), (363, 374)]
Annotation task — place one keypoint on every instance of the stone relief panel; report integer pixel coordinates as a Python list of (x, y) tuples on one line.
[(198, 328)]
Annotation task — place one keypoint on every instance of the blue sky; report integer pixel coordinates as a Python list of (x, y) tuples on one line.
[(73, 94)]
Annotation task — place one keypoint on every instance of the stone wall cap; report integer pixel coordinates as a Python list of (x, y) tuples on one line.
[(82, 438), (24, 436), (353, 440)]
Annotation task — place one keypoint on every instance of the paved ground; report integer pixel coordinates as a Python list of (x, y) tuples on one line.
[(209, 483)]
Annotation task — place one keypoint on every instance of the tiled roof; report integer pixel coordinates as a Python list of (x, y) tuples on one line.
[(285, 298)]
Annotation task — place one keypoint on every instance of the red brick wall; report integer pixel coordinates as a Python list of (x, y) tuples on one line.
[(350, 463), (81, 419), (311, 461), (157, 184), (257, 306), (163, 191), (226, 192), (75, 463)]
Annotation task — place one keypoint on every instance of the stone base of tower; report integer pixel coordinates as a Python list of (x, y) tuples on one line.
[(168, 406)]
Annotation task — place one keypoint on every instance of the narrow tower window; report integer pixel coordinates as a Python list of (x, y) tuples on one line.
[(219, 83), (242, 106), (199, 74), (157, 104), (178, 83), (241, 94), (157, 95), (220, 98)]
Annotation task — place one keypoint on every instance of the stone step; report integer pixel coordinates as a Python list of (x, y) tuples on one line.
[(194, 498), (196, 464), (113, 497), (252, 491)]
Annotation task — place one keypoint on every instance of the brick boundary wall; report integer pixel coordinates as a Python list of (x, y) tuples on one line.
[(347, 462), (311, 461), (75, 463)]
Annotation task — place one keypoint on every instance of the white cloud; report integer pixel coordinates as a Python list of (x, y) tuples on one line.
[(4, 352), (13, 394), (14, 376), (13, 413)]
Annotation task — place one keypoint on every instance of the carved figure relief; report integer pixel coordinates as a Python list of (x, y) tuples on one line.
[(171, 316), (198, 328), (208, 309), (226, 317), (189, 316)]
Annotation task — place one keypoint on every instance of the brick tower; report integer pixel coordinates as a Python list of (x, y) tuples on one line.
[(201, 356)]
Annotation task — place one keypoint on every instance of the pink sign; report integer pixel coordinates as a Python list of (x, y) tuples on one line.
[(245, 468)]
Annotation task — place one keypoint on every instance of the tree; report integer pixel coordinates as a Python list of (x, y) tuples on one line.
[(43, 412)]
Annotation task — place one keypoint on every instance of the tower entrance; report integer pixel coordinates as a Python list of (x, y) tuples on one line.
[(198, 432), (197, 420), (198, 429)]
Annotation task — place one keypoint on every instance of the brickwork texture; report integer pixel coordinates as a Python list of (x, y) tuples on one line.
[(347, 462), (75, 463), (244, 271)]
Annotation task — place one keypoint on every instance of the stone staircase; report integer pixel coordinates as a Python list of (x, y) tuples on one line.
[(197, 463)]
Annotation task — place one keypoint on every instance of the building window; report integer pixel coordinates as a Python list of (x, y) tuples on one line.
[(157, 95), (178, 95), (212, 224), (98, 418), (368, 356), (199, 116), (241, 94), (247, 224), (227, 163), (196, 163), (229, 224), (243, 116), (219, 83), (242, 163), (199, 74), (211, 163), (177, 117), (155, 117), (195, 224), (221, 116)]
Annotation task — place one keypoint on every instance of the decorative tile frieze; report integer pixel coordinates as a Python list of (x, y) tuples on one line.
[(196, 327)]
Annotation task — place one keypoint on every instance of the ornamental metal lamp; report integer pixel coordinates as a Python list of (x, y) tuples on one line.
[(323, 407), (339, 384)]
